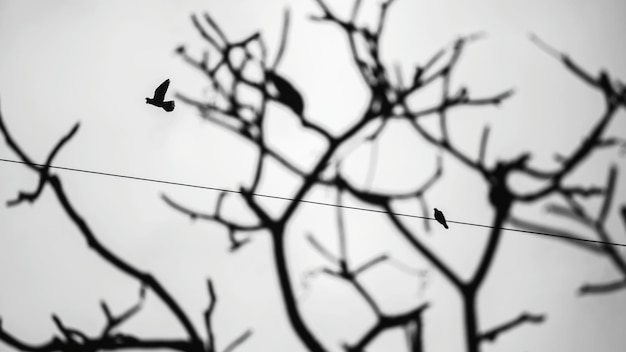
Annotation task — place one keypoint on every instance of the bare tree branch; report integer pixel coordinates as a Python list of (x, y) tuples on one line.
[(115, 321), (208, 314), (610, 189), (603, 288), (492, 334), (94, 243), (238, 341), (528, 225), (384, 323), (322, 250), (283, 41)]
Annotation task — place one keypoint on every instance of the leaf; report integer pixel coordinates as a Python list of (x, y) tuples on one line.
[(287, 93)]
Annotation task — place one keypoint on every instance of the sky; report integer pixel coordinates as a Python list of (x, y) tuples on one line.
[(94, 62)]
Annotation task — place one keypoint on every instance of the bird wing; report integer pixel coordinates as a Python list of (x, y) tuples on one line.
[(159, 93)]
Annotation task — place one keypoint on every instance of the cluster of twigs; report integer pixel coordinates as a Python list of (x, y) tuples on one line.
[(574, 197), (388, 100)]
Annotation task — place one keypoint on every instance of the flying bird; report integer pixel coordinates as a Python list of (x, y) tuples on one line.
[(159, 97), (440, 218)]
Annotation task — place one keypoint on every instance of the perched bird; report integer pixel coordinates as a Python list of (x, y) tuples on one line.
[(159, 97), (286, 93), (440, 218)]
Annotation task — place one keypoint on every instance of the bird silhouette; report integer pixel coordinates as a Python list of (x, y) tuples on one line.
[(440, 218), (159, 97)]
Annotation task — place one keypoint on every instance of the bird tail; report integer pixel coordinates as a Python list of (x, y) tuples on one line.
[(446, 226), (168, 105)]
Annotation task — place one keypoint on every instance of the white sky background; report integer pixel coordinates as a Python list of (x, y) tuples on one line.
[(95, 61)]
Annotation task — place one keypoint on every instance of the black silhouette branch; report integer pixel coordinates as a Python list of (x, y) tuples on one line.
[(144, 278), (232, 227), (616, 92), (208, 314), (594, 140), (413, 331), (623, 216), (575, 238), (422, 249), (384, 201), (115, 321), (608, 287), (283, 41), (568, 164), (390, 100), (384, 323), (576, 211), (287, 94), (115, 342), (343, 272), (43, 171), (264, 149), (238, 341), (525, 318)]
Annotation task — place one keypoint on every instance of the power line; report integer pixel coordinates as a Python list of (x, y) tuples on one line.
[(144, 179)]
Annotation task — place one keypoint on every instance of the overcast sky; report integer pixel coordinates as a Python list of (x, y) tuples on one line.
[(94, 62)]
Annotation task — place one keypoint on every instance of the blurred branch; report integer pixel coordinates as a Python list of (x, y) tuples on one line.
[(283, 41), (483, 146), (43, 171), (380, 199), (531, 226), (413, 330), (93, 242), (384, 323), (321, 249), (116, 342), (608, 196), (345, 272), (231, 226), (593, 140), (208, 314), (492, 335), (623, 216), (371, 263), (576, 212), (603, 288), (115, 321), (238, 341), (419, 246)]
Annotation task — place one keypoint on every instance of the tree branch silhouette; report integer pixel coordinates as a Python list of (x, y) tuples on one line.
[(75, 340), (388, 100), (492, 334), (345, 272), (614, 96)]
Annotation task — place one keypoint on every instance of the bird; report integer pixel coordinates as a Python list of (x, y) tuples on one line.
[(440, 218), (286, 93), (159, 97)]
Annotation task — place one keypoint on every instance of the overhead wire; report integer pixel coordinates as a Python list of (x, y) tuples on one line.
[(145, 179)]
